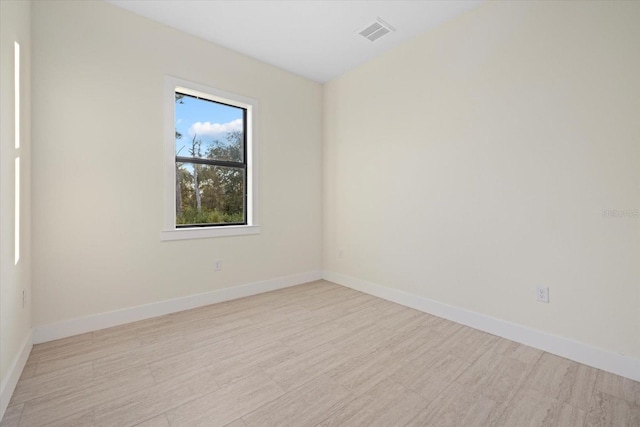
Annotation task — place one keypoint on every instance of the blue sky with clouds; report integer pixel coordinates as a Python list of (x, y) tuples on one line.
[(208, 120)]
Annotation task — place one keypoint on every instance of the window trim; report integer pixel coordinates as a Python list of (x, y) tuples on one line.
[(171, 231)]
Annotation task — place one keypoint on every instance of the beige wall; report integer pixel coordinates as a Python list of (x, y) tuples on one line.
[(15, 320), (474, 162), (98, 167)]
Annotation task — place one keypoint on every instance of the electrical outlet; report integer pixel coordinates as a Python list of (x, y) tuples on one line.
[(340, 253), (24, 299), (542, 294), (218, 265)]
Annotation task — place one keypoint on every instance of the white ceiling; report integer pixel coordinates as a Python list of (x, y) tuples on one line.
[(317, 39)]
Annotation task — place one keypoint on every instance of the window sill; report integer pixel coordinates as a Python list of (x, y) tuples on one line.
[(203, 233)]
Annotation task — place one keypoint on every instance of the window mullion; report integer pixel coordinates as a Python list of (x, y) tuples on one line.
[(211, 162)]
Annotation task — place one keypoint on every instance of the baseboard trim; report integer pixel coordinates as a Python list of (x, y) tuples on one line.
[(13, 375), (598, 358), (96, 322)]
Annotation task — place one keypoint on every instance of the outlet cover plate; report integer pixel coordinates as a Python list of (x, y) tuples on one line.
[(542, 294)]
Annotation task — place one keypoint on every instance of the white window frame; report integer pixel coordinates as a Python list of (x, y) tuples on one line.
[(170, 231)]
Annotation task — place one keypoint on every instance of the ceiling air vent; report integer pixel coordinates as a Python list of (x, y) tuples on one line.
[(373, 32)]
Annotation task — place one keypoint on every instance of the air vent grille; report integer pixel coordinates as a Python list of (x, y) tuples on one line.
[(377, 29)]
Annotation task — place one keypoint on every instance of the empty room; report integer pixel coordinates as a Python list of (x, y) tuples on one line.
[(319, 213)]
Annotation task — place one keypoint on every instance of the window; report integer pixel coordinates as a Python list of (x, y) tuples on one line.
[(211, 176), (16, 128), (210, 162)]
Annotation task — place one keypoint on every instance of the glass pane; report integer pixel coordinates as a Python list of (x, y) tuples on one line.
[(220, 195), (208, 129)]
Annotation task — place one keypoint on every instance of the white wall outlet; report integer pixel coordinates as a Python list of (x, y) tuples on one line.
[(542, 294), (340, 253), (217, 265), (24, 299)]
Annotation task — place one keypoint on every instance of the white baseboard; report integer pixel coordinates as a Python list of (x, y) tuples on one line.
[(13, 375), (96, 322), (598, 358)]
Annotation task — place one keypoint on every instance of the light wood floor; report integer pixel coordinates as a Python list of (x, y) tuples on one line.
[(313, 355)]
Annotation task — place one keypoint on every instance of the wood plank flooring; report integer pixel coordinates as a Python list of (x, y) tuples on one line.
[(312, 355)]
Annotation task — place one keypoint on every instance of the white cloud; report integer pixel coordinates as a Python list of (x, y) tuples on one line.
[(214, 129)]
